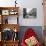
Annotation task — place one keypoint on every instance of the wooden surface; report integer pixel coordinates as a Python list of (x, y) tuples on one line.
[(6, 25), (10, 26), (9, 8), (0, 43), (44, 8), (44, 37), (15, 9), (9, 43)]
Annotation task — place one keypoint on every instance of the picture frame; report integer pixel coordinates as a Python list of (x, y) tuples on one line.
[(13, 12), (5, 12), (29, 12)]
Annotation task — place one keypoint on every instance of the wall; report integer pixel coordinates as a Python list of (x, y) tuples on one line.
[(38, 21), (32, 4)]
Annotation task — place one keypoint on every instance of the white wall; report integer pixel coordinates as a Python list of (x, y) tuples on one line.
[(27, 4), (32, 4)]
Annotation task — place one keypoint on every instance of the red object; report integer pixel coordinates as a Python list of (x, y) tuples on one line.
[(29, 33)]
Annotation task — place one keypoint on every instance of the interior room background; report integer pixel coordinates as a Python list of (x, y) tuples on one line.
[(38, 21), (35, 23)]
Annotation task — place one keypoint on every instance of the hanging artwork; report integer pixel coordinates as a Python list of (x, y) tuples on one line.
[(29, 12)]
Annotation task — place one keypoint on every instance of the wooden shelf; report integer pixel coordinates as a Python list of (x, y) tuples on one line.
[(4, 24), (9, 43), (11, 26)]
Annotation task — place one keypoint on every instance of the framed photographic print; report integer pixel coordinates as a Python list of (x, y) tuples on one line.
[(5, 12), (29, 12)]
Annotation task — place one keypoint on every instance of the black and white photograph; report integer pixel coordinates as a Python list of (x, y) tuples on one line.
[(29, 12)]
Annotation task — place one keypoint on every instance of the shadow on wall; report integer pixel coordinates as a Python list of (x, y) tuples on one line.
[(37, 29)]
